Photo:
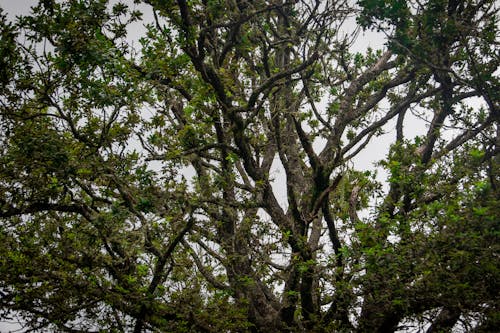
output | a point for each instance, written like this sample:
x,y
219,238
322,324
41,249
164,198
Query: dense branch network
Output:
x,y
207,181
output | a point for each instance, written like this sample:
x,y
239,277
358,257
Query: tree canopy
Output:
x,y
203,177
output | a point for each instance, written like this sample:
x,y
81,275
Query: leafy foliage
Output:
x,y
204,177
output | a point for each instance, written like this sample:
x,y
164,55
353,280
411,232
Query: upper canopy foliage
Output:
x,y
202,177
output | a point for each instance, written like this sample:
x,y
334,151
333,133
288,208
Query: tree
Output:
x,y
138,186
